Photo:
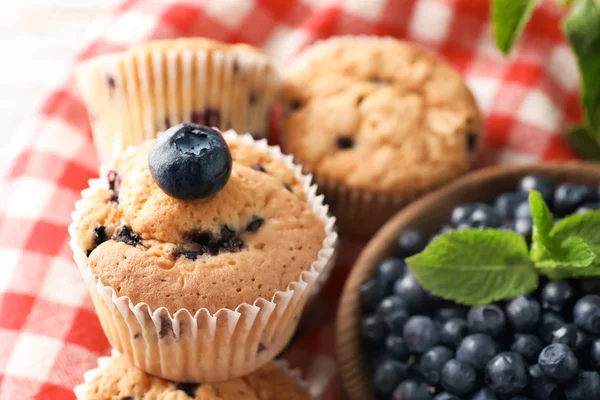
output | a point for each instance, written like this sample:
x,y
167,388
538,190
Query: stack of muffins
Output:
x,y
201,249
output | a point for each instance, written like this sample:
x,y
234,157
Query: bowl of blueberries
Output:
x,y
515,316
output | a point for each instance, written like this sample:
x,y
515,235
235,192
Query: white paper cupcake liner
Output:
x,y
358,212
81,390
132,96
207,347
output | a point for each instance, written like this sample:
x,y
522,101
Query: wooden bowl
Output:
x,y
428,214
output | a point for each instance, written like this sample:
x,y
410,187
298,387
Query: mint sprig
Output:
x,y
550,248
474,266
582,28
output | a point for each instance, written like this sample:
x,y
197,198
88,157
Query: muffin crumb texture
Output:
x,y
249,240
121,381
379,115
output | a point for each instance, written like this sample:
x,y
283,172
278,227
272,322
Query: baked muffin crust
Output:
x,y
379,115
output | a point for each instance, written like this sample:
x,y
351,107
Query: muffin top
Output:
x,y
120,380
196,43
379,115
248,240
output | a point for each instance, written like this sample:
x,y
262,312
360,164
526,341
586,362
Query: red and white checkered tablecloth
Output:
x,y
49,334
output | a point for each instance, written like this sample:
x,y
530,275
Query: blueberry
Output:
x,y
485,394
395,347
420,334
453,332
557,295
411,242
585,386
446,396
594,356
524,227
488,319
388,375
586,313
558,362
523,313
443,314
458,378
541,386
389,270
372,328
396,320
519,398
507,374
477,350
485,216
461,214
590,285
571,336
539,183
409,290
549,323
529,346
371,293
390,304
431,363
587,207
522,211
412,390
506,204
569,196
190,161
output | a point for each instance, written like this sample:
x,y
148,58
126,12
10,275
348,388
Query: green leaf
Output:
x,y
509,18
475,266
552,248
543,221
585,226
582,27
583,142
579,235
564,2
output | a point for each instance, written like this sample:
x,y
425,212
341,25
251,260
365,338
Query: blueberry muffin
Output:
x,y
377,122
117,379
200,258
133,95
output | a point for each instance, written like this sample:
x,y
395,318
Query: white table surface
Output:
x,y
38,39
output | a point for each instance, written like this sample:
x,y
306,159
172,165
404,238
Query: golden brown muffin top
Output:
x,y
121,381
379,115
249,240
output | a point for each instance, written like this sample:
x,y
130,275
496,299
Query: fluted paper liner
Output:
x,y
81,390
358,212
132,96
209,347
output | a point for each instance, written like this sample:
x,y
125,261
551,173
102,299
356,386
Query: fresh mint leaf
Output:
x,y
583,142
475,266
550,248
543,221
582,27
580,237
585,226
509,18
